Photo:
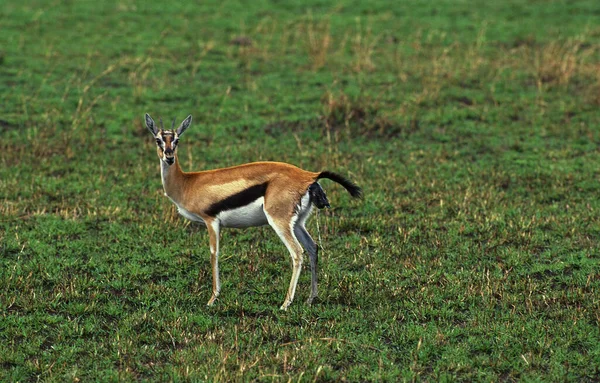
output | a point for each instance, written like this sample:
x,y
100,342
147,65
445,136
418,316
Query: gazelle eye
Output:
x,y
158,141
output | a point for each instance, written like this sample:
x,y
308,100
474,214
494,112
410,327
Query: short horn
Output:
x,y
162,127
173,124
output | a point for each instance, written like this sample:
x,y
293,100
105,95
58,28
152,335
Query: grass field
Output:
x,y
473,127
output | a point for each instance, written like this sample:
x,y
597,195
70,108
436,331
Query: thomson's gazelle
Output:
x,y
252,194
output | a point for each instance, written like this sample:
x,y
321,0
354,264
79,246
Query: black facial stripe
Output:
x,y
243,198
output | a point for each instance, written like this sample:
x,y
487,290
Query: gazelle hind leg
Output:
x,y
305,209
213,233
313,253
283,228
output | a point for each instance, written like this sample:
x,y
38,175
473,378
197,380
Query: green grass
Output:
x,y
473,128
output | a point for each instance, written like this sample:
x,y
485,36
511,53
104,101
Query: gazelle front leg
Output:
x,y
213,235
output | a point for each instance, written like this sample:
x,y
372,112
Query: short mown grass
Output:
x,y
472,127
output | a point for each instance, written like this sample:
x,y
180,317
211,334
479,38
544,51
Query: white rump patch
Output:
x,y
304,209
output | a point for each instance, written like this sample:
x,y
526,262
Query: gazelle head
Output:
x,y
167,140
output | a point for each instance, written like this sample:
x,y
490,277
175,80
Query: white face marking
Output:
x,y
166,140
245,216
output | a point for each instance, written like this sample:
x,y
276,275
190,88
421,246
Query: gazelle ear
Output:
x,y
150,125
184,125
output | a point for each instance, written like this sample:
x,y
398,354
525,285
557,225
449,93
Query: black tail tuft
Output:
x,y
354,190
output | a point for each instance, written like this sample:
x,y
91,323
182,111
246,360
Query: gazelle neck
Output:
x,y
171,176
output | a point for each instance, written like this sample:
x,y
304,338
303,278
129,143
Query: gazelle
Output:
x,y
254,194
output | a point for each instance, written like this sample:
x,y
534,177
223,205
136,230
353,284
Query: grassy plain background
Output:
x,y
473,127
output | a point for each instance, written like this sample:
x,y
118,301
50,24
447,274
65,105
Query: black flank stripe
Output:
x,y
240,199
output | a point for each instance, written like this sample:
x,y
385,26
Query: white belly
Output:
x,y
245,216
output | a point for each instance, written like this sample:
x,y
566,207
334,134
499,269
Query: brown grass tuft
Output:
x,y
356,116
317,41
363,48
557,63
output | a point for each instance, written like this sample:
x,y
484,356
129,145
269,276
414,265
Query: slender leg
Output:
x,y
286,234
213,233
313,252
